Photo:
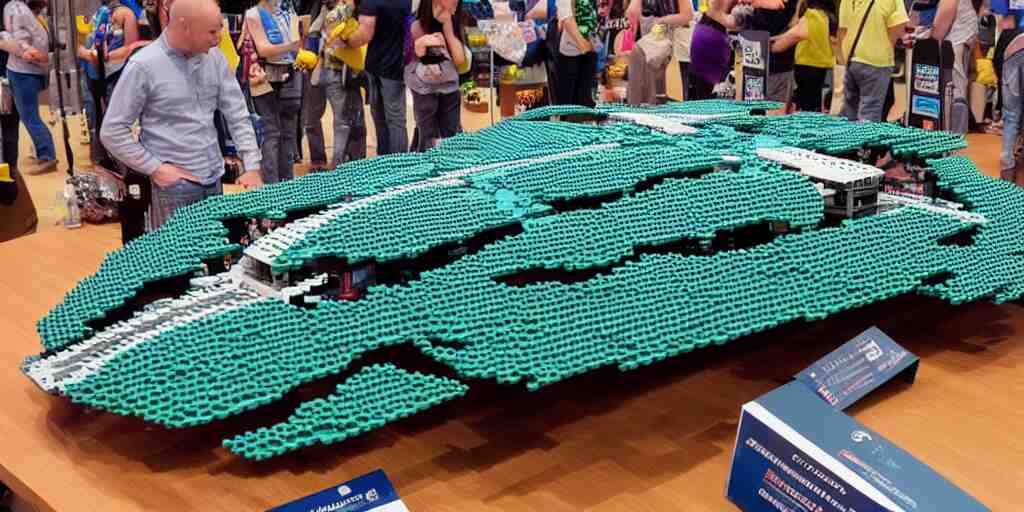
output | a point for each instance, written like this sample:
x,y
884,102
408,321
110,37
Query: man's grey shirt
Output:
x,y
173,97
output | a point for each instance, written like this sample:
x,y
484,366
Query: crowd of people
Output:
x,y
171,67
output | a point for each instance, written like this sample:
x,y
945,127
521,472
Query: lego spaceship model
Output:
x,y
523,254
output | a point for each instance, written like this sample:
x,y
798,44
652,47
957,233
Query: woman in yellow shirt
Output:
x,y
814,56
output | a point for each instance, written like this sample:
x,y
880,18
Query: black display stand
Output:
x,y
930,84
755,48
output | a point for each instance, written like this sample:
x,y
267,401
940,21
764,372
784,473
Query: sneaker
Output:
x,y
992,129
1008,175
37,166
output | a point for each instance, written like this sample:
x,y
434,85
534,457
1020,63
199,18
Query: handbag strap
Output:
x,y
860,30
249,104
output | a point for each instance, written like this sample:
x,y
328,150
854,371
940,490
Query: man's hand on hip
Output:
x,y
169,174
250,179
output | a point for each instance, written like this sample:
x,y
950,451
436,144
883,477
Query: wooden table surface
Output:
x,y
656,439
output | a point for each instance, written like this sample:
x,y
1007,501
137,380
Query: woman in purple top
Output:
x,y
710,51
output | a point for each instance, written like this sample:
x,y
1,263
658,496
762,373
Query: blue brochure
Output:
x,y
371,492
858,367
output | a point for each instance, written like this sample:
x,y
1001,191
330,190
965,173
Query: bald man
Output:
x,y
172,88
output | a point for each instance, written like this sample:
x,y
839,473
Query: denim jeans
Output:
x,y
97,152
864,92
165,201
1013,68
26,88
349,121
960,110
575,79
279,111
312,114
387,105
438,116
87,103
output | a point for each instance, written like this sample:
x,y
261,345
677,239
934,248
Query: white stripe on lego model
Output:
x,y
700,118
268,247
303,287
819,166
936,206
77,362
661,123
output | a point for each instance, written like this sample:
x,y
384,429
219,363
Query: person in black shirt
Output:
x,y
382,26
786,28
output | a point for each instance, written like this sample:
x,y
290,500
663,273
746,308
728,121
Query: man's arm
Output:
x,y
124,110
791,37
944,17
896,33
897,22
721,11
363,35
231,104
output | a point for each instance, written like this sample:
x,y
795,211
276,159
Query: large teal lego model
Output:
x,y
525,254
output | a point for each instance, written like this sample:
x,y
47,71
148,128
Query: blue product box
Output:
x,y
857,367
796,453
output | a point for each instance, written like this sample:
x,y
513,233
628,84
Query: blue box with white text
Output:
x,y
795,453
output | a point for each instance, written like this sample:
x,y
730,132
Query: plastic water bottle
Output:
x,y
73,216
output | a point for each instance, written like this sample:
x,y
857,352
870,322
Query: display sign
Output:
x,y
754,48
795,453
371,492
926,79
926,107
858,367
925,91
